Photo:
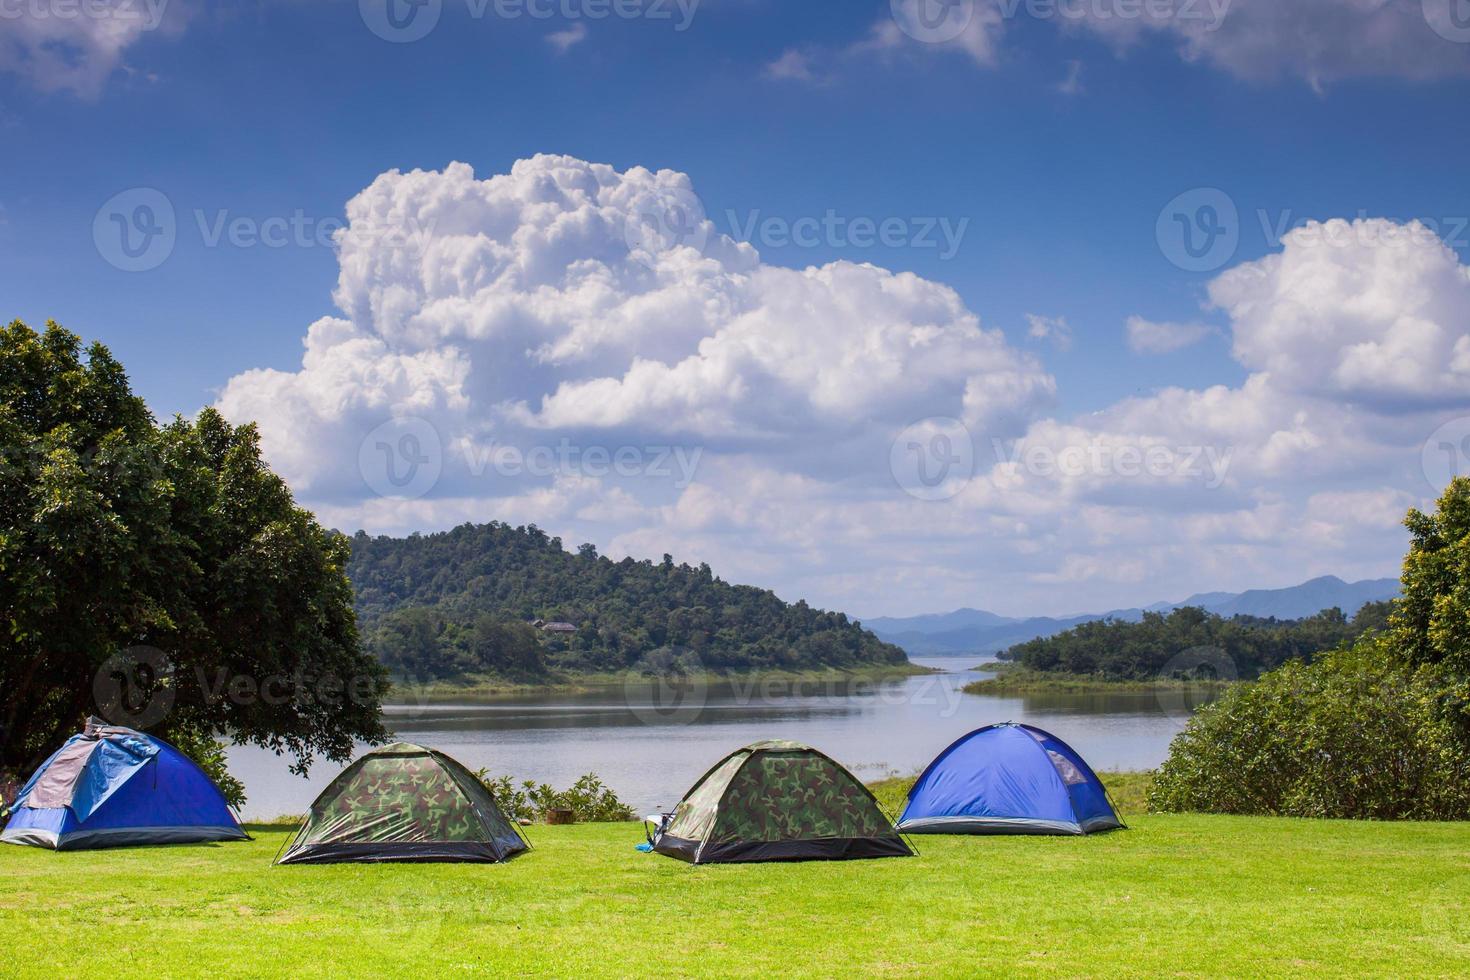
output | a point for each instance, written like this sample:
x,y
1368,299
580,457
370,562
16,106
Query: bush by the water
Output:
x,y
588,799
1378,731
1355,735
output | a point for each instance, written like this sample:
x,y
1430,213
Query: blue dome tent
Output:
x,y
1008,779
111,787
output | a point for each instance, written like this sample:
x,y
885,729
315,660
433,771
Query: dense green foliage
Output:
x,y
1119,650
457,603
1175,896
589,799
160,575
1432,621
1350,736
1376,731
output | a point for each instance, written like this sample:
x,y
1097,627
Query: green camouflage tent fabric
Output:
x,y
796,796
778,801
694,818
404,802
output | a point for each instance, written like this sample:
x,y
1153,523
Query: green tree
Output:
x,y
1378,731
456,603
1356,735
1431,623
117,534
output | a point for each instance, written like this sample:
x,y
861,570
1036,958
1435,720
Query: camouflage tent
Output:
x,y
404,803
778,801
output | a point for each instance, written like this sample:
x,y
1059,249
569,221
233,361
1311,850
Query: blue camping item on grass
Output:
x,y
1008,779
111,787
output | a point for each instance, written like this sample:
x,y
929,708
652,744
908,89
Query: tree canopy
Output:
x,y
161,574
1121,650
459,603
1432,620
1380,730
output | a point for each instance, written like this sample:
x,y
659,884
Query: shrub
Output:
x,y
588,799
1355,735
10,787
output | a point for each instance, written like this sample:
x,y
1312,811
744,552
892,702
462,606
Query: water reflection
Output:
x,y
649,743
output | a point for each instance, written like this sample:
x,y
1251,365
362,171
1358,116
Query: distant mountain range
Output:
x,y
967,632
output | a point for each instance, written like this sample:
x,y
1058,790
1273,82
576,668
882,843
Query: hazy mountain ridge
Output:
x,y
966,632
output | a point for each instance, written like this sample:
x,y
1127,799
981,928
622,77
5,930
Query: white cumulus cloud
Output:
x,y
593,316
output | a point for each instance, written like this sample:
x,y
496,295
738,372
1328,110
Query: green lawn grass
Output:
x,y
1175,895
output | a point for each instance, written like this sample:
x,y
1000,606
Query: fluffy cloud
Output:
x,y
1318,41
584,317
566,299
1369,312
76,47
1149,337
1354,334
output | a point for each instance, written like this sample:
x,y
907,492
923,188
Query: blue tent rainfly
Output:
x,y
1008,779
112,787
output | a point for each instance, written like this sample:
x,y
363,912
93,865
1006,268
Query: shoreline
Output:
x,y
1018,680
411,694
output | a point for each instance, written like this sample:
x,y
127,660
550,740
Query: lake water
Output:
x,y
649,744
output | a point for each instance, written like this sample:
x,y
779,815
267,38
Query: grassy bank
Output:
x,y
1174,895
485,688
1018,680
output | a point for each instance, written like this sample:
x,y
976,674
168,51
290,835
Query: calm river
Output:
x,y
650,746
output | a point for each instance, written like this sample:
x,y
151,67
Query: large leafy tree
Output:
x,y
1432,621
161,574
1378,731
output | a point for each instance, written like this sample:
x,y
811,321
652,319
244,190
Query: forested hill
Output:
x,y
1120,650
460,603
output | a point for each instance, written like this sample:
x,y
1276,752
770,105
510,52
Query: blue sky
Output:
x,y
1055,145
